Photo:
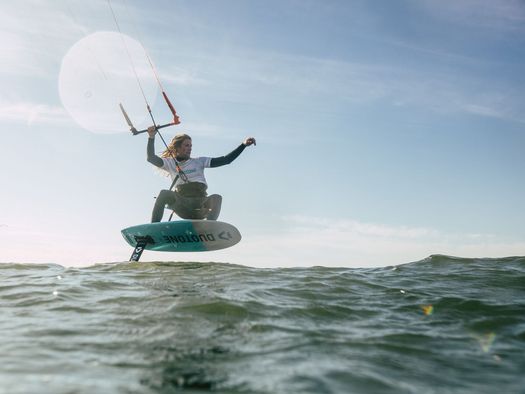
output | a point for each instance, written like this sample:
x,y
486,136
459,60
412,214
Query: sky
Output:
x,y
387,131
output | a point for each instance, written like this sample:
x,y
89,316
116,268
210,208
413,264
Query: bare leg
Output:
x,y
213,203
164,197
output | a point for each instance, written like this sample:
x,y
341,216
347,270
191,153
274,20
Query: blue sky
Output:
x,y
387,130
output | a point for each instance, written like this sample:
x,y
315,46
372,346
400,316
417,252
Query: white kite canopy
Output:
x,y
181,236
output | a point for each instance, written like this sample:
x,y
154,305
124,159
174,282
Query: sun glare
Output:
x,y
97,74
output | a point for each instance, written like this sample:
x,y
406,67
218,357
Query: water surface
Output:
x,y
440,325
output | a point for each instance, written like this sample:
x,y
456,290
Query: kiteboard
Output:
x,y
181,236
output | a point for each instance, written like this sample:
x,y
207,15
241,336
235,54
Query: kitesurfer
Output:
x,y
187,195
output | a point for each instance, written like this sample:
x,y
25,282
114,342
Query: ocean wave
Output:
x,y
444,322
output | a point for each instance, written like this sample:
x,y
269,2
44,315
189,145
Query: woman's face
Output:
x,y
184,151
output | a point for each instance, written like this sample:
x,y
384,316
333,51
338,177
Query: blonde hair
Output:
x,y
175,143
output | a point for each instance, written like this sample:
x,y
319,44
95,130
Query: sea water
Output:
x,y
440,325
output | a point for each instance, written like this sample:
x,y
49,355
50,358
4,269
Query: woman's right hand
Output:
x,y
152,130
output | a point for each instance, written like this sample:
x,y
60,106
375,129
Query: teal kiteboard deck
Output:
x,y
181,236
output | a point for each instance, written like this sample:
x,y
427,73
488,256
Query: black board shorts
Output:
x,y
190,201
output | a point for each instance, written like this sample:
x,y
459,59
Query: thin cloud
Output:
x,y
33,35
183,76
359,228
309,241
32,113
484,111
287,81
504,15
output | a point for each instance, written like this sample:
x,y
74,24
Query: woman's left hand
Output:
x,y
249,141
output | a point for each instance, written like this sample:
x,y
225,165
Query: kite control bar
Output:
x,y
134,131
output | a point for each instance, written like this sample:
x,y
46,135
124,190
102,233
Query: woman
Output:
x,y
188,199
